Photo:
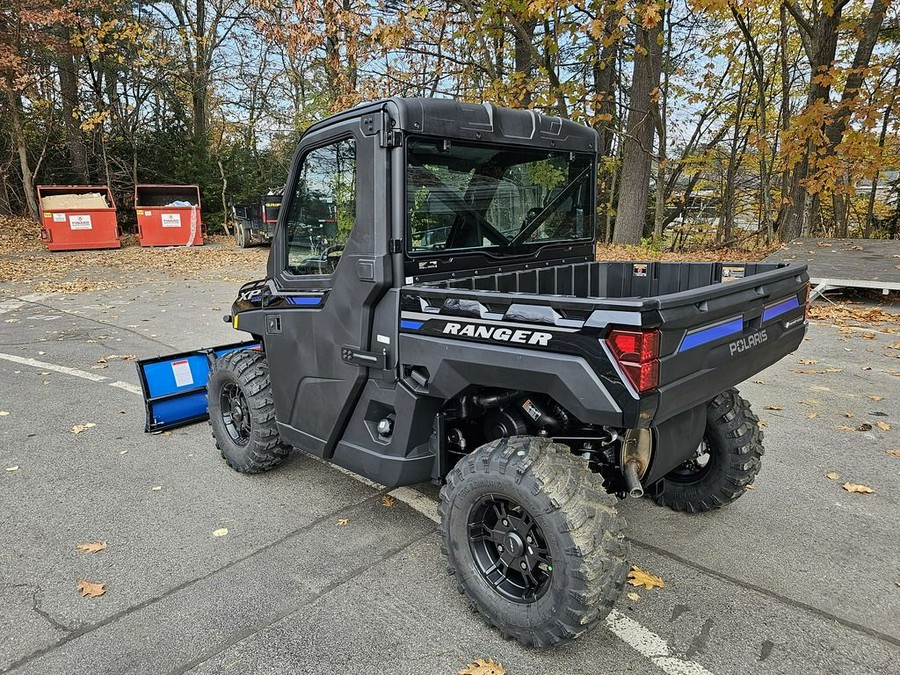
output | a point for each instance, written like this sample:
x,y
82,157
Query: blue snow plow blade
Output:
x,y
174,386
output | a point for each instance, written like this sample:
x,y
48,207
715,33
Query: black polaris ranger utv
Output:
x,y
457,329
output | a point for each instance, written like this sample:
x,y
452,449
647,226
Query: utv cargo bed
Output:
x,y
711,317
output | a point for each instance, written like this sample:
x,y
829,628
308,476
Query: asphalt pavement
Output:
x,y
798,576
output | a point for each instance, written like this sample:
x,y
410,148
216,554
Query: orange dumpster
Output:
x,y
168,215
77,217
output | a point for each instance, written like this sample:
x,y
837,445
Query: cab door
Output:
x,y
330,266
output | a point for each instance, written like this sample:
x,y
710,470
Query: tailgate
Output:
x,y
716,337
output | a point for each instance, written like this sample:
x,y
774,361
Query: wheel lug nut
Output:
x,y
523,565
505,523
500,548
528,539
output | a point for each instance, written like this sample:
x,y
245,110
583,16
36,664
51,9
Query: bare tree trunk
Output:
x,y
885,123
68,90
605,82
524,57
22,151
637,152
820,35
5,204
659,216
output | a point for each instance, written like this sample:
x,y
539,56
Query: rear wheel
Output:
x,y
725,463
241,238
242,412
533,540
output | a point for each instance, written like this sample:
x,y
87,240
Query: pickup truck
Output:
x,y
457,329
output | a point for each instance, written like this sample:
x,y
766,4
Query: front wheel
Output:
x,y
242,412
533,540
725,463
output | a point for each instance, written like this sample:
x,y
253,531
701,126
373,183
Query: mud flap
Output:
x,y
174,386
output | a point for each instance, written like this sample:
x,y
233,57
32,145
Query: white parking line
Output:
x,y
642,640
43,365
127,387
424,505
651,645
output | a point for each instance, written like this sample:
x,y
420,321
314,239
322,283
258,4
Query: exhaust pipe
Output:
x,y
632,481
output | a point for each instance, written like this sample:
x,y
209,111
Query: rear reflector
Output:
x,y
637,352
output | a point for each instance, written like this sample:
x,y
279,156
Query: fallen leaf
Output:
x,y
156,488
90,589
876,398
4,413
749,486
758,382
893,453
483,667
808,362
832,475
812,415
862,489
884,426
866,368
762,424
896,345
12,468
101,360
638,577
843,427
774,407
78,428
123,452
92,547
848,414
343,521
98,366
865,426
634,597
388,501
869,336
221,532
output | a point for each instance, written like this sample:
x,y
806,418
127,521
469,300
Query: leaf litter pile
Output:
x,y
24,260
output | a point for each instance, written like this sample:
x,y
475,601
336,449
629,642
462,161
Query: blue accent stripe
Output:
x,y
780,308
411,325
711,334
305,300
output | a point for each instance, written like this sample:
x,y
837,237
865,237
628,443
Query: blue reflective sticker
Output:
x,y
711,334
411,325
780,308
305,300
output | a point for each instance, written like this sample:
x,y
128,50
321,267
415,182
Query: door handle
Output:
x,y
359,357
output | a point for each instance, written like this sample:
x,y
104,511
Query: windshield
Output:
x,y
467,196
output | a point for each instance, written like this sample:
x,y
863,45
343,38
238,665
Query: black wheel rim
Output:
x,y
697,467
509,549
235,413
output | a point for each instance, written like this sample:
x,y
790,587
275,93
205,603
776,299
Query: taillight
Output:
x,y
637,351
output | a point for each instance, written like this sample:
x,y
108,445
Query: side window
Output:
x,y
323,209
